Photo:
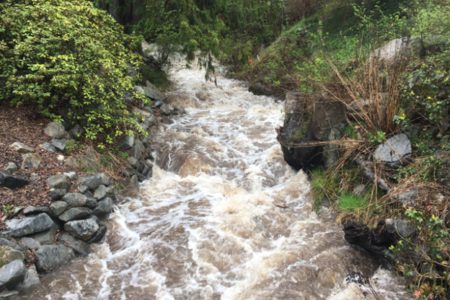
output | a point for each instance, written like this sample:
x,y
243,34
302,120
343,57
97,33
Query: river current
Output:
x,y
223,217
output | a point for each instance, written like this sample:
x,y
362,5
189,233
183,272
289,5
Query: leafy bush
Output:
x,y
71,61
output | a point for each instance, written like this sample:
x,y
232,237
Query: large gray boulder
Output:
x,y
78,246
29,225
75,199
104,207
75,213
12,182
55,130
394,150
12,273
51,257
82,229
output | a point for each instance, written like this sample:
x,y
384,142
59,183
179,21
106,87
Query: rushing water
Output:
x,y
224,217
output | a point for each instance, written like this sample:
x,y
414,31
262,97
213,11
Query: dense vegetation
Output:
x,y
69,60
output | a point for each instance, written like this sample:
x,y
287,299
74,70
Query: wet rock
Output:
x,y
98,236
29,225
12,273
12,182
29,243
360,235
31,279
10,168
260,89
34,210
167,109
59,144
309,121
31,161
78,246
8,254
82,229
58,207
21,148
394,149
56,194
104,207
75,213
51,257
356,277
408,197
8,294
75,199
59,181
55,130
48,147
203,95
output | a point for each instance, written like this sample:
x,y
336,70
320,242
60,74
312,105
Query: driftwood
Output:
x,y
367,168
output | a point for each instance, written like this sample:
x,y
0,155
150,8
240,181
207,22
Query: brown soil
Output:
x,y
23,125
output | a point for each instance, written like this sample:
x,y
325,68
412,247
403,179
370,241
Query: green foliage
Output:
x,y
351,203
323,186
430,266
70,60
376,138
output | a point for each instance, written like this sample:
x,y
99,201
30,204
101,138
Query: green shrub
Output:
x,y
71,61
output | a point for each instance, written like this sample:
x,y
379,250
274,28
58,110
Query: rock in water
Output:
x,y
394,149
82,229
29,225
78,246
51,257
12,273
104,207
12,182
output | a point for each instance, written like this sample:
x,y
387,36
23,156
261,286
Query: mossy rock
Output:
x,y
8,254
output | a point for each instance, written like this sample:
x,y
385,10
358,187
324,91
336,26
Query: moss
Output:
x,y
348,202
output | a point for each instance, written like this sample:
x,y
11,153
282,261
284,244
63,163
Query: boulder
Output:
x,y
58,207
31,161
46,237
59,144
10,242
403,228
10,168
59,181
75,199
31,279
310,120
101,192
128,142
408,197
104,207
151,91
51,257
75,213
8,254
394,150
98,236
392,50
91,202
93,182
21,148
55,130
78,246
34,210
57,194
12,182
48,147
260,89
29,225
82,229
12,273
138,150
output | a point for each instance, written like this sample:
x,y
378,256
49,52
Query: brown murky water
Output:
x,y
224,217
